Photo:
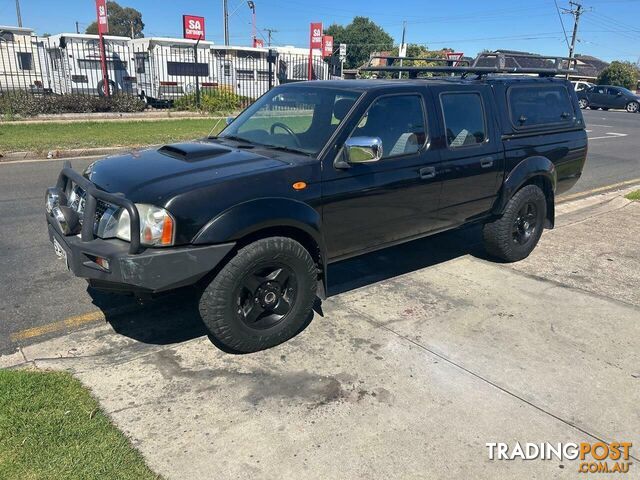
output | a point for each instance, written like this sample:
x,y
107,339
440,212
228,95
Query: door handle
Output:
x,y
427,172
486,163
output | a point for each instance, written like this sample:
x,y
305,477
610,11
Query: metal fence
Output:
x,y
161,71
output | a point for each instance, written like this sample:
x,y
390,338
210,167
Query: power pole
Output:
x,y
576,12
269,32
77,27
225,15
18,13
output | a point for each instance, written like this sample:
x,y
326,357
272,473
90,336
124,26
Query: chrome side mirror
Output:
x,y
363,150
229,120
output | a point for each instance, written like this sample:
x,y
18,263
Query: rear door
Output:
x,y
598,97
472,155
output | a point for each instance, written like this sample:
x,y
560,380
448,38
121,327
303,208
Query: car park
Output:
x,y
316,172
608,96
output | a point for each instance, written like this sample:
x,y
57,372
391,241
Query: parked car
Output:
x,y
607,96
580,85
316,172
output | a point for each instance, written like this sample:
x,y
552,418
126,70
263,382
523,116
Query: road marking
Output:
x,y
588,193
71,322
610,135
601,126
74,322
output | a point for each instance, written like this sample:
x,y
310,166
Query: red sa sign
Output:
x,y
327,45
315,36
103,22
193,27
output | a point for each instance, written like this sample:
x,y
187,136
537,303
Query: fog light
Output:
x,y
67,219
54,198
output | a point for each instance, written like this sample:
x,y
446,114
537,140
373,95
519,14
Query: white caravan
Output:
x,y
293,64
22,62
166,68
75,65
243,70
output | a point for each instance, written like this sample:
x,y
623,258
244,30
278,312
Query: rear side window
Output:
x,y
464,119
540,106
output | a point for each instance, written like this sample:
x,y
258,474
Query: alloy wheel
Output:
x,y
525,224
266,296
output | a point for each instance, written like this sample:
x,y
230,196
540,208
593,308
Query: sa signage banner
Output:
x,y
193,27
327,45
103,21
315,36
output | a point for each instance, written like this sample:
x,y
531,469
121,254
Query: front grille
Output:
x,y
77,200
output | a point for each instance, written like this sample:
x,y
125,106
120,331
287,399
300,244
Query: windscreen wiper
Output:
x,y
287,149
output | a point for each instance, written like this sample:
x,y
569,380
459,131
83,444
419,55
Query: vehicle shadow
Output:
x,y
174,318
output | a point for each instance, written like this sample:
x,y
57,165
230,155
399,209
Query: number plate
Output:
x,y
60,252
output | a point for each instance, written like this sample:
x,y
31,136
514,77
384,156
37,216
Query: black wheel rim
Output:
x,y
525,224
266,296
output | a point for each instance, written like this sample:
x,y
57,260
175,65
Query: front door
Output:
x,y
615,98
598,97
472,156
367,206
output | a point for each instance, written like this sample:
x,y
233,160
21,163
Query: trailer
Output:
x,y
23,64
169,68
75,65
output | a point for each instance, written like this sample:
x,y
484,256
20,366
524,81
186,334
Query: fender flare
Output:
x,y
523,172
253,216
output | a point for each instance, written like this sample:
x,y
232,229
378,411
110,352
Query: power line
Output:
x,y
270,31
562,23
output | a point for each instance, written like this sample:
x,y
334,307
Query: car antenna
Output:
x,y
214,127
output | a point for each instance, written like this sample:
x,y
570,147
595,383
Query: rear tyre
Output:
x,y
513,236
633,107
583,103
262,297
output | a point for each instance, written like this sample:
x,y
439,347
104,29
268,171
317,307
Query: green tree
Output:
x,y
125,22
363,37
621,74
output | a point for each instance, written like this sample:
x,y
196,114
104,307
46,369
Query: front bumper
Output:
x,y
153,270
130,267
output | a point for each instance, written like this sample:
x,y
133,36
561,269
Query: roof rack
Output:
x,y
483,64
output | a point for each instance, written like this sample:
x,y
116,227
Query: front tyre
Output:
x,y
633,107
513,236
262,297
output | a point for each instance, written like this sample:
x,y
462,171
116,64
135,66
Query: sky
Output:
x,y
609,29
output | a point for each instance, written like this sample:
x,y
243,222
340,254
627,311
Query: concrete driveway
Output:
x,y
425,354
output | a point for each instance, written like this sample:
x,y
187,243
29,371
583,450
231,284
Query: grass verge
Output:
x,y
44,137
635,196
51,427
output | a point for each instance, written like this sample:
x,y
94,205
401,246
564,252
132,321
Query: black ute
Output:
x,y
315,172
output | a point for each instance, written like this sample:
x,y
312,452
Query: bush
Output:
x,y
621,74
26,104
213,101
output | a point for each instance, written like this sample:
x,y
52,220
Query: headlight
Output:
x,y
157,226
54,198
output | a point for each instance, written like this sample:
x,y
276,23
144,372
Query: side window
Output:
x,y
600,90
25,61
613,91
534,106
398,121
464,119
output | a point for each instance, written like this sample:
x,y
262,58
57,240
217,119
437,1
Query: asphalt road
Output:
x,y
40,299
